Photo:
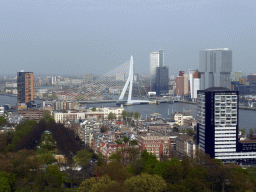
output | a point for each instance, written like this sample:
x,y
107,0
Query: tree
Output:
x,y
54,176
111,116
83,157
136,115
126,139
115,170
134,142
191,132
118,142
101,159
47,116
124,114
4,182
104,128
145,182
54,96
2,121
115,158
47,158
149,162
243,131
197,180
98,184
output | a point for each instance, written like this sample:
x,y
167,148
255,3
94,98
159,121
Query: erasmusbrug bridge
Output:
x,y
117,85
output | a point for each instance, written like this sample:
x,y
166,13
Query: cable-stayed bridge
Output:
x,y
112,86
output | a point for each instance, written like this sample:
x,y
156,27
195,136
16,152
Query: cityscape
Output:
x,y
126,114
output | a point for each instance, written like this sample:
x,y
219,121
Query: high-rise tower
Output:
x,y
25,83
215,66
217,116
156,59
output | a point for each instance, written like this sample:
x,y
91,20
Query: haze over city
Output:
x,y
77,37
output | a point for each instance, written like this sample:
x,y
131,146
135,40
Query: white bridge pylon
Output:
x,y
130,81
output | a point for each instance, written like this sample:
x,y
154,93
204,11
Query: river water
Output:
x,y
247,118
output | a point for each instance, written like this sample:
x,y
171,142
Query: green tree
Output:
x,y
111,116
101,159
47,116
191,132
131,114
126,139
149,161
118,142
124,114
4,182
243,131
54,96
197,180
134,142
2,121
145,182
98,184
54,176
114,157
83,157
47,158
136,115
115,170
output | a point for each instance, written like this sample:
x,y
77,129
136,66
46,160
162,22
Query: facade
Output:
x,y
238,75
156,59
217,128
179,85
161,58
70,116
194,79
31,114
215,66
217,116
185,145
162,80
180,117
160,146
25,85
252,79
153,64
186,83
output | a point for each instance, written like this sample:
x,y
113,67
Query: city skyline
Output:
x,y
88,37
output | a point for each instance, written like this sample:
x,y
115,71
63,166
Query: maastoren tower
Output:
x,y
215,66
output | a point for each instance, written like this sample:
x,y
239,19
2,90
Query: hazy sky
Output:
x,y
90,36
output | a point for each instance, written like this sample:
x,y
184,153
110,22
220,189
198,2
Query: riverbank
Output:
x,y
240,107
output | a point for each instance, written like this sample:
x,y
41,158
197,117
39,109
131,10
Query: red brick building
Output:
x,y
180,85
109,149
31,114
160,146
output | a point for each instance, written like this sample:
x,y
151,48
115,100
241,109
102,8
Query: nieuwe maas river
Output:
x,y
247,118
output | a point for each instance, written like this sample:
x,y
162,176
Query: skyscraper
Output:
x,y
215,66
156,59
217,116
25,85
194,79
217,127
162,81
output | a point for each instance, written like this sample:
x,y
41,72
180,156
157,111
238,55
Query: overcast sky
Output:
x,y
89,36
